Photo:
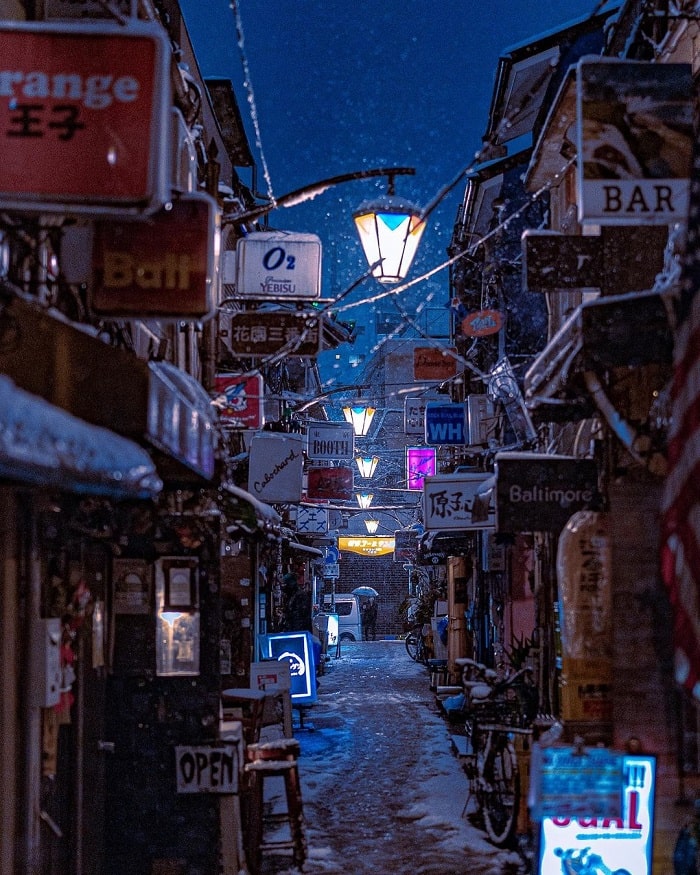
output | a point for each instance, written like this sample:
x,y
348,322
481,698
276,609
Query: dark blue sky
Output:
x,y
341,86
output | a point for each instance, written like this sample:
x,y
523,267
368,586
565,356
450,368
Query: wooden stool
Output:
x,y
247,706
274,759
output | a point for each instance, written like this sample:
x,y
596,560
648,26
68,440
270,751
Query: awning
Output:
x,y
608,332
246,513
45,446
72,368
181,419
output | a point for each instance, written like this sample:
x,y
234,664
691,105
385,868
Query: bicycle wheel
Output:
x,y
414,642
501,792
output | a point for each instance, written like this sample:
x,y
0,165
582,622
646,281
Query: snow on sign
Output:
x,y
276,264
635,136
448,500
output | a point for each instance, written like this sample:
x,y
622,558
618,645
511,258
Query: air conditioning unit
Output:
x,y
481,418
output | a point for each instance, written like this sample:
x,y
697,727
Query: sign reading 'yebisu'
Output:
x,y
445,424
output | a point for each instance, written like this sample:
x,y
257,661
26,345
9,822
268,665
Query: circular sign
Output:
x,y
332,555
481,323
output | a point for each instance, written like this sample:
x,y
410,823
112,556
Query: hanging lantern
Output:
x,y
364,499
360,418
367,465
371,526
390,230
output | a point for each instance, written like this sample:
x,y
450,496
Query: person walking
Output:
x,y
369,620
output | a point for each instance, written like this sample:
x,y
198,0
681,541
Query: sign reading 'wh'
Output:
x,y
445,424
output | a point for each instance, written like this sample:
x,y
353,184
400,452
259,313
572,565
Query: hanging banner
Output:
x,y
88,109
239,400
635,136
584,580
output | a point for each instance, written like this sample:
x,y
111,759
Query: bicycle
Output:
x,y
497,711
416,646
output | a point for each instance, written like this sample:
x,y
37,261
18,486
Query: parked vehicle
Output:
x,y
347,607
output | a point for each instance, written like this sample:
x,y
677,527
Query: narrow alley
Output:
x,y
383,792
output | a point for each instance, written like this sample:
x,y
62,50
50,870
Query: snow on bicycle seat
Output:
x,y
481,691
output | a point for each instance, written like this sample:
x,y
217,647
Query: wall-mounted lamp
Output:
x,y
364,499
367,465
371,526
360,417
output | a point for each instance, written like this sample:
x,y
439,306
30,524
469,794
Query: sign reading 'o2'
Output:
x,y
274,265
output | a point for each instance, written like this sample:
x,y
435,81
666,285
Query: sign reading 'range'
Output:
x,y
538,493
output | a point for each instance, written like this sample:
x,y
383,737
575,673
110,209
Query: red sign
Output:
x,y
84,117
330,483
481,323
162,267
240,400
434,363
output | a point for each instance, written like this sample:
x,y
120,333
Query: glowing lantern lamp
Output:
x,y
360,418
390,229
367,465
372,526
364,499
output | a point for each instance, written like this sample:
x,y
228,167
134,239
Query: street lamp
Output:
x,y
367,465
390,228
364,499
360,417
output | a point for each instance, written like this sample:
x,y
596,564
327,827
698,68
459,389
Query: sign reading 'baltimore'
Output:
x,y
538,493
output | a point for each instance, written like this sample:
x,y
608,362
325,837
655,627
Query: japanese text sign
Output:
x,y
87,108
266,333
448,501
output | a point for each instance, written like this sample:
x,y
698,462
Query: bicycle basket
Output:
x,y
502,709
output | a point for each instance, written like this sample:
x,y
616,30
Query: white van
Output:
x,y
347,607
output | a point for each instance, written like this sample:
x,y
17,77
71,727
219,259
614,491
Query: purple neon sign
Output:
x,y
420,463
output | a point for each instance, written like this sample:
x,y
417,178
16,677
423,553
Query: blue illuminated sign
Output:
x,y
297,649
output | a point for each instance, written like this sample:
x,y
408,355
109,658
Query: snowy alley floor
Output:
x,y
383,791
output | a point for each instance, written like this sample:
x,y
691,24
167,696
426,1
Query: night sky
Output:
x,y
340,87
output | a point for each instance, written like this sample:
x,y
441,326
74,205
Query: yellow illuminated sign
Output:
x,y
377,546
